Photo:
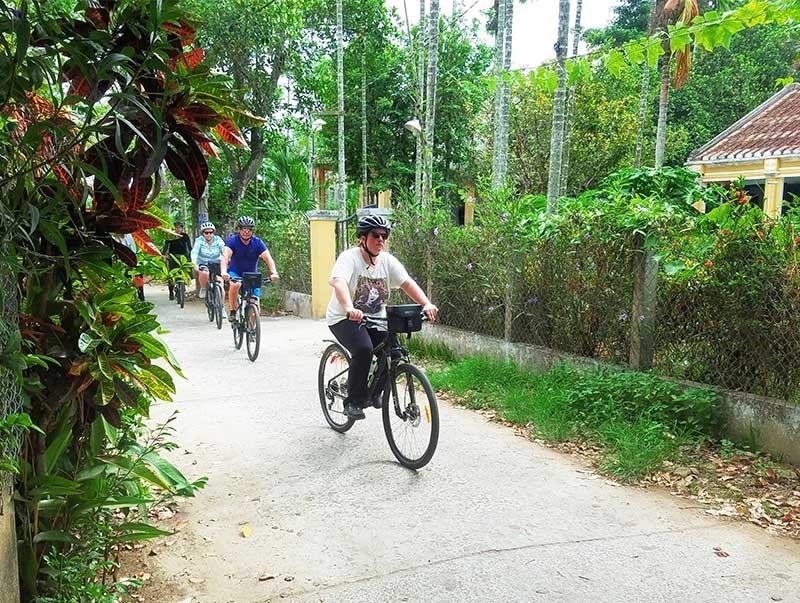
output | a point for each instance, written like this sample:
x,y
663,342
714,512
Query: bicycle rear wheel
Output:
x,y
238,328
217,304
180,294
411,417
252,323
334,367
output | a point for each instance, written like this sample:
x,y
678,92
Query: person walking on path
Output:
x,y
241,254
182,246
361,279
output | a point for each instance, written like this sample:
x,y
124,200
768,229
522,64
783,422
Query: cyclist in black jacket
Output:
x,y
176,247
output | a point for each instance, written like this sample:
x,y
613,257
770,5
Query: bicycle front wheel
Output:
x,y
411,417
334,366
217,304
252,323
180,294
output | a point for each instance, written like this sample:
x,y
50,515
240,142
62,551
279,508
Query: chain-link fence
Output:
x,y
10,394
725,312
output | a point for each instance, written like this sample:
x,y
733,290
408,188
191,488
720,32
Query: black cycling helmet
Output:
x,y
246,221
371,222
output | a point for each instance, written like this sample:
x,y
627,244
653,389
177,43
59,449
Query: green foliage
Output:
x,y
289,243
638,419
96,102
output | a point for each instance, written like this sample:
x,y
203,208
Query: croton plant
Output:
x,y
97,99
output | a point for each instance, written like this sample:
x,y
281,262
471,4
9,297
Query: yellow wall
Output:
x,y
772,171
322,226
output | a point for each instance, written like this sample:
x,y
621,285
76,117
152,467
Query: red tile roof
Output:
x,y
770,130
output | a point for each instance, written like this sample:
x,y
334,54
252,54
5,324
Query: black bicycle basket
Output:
x,y
214,269
404,318
251,280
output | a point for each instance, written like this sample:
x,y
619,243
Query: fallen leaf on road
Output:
x,y
720,553
196,580
247,531
265,577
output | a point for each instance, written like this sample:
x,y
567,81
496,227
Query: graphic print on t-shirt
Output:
x,y
371,294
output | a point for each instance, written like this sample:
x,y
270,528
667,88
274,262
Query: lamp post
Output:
x,y
316,125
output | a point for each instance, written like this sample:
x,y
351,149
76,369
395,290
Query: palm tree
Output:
x,y
341,199
430,103
576,38
503,29
557,133
666,13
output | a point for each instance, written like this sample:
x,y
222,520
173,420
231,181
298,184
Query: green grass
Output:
x,y
638,420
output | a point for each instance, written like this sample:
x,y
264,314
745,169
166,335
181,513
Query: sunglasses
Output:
x,y
208,232
379,235
247,228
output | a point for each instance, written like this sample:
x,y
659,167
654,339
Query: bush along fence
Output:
x,y
289,243
629,274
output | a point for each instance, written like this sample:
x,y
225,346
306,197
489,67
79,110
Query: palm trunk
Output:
x,y
341,199
643,94
576,37
500,31
663,104
420,100
430,103
364,181
557,133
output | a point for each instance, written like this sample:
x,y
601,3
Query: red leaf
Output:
x,y
198,113
127,255
193,58
134,192
126,223
98,17
228,132
145,243
209,148
183,29
186,162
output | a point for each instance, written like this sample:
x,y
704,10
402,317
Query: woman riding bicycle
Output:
x,y
207,248
361,279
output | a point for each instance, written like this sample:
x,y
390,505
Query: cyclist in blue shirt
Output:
x,y
241,254
207,248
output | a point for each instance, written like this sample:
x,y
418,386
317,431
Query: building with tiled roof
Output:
x,y
763,147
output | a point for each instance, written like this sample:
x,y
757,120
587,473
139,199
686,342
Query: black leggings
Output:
x,y
360,341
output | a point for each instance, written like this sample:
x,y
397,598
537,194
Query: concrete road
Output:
x,y
335,518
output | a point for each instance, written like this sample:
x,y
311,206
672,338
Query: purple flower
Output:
x,y
490,309
436,232
586,236
470,266
623,316
533,300
641,317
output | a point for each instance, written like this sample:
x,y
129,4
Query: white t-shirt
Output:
x,y
369,285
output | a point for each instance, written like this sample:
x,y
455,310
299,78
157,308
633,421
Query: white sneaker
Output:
x,y
202,293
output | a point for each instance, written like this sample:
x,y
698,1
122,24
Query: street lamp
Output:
x,y
316,125
413,126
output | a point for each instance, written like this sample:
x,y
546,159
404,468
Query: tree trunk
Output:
x,y
498,167
430,103
364,175
421,60
643,94
557,134
576,38
663,104
341,198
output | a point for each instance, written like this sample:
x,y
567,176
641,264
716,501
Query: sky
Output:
x,y
535,23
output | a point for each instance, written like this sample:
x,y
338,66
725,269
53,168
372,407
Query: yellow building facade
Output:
x,y
763,147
